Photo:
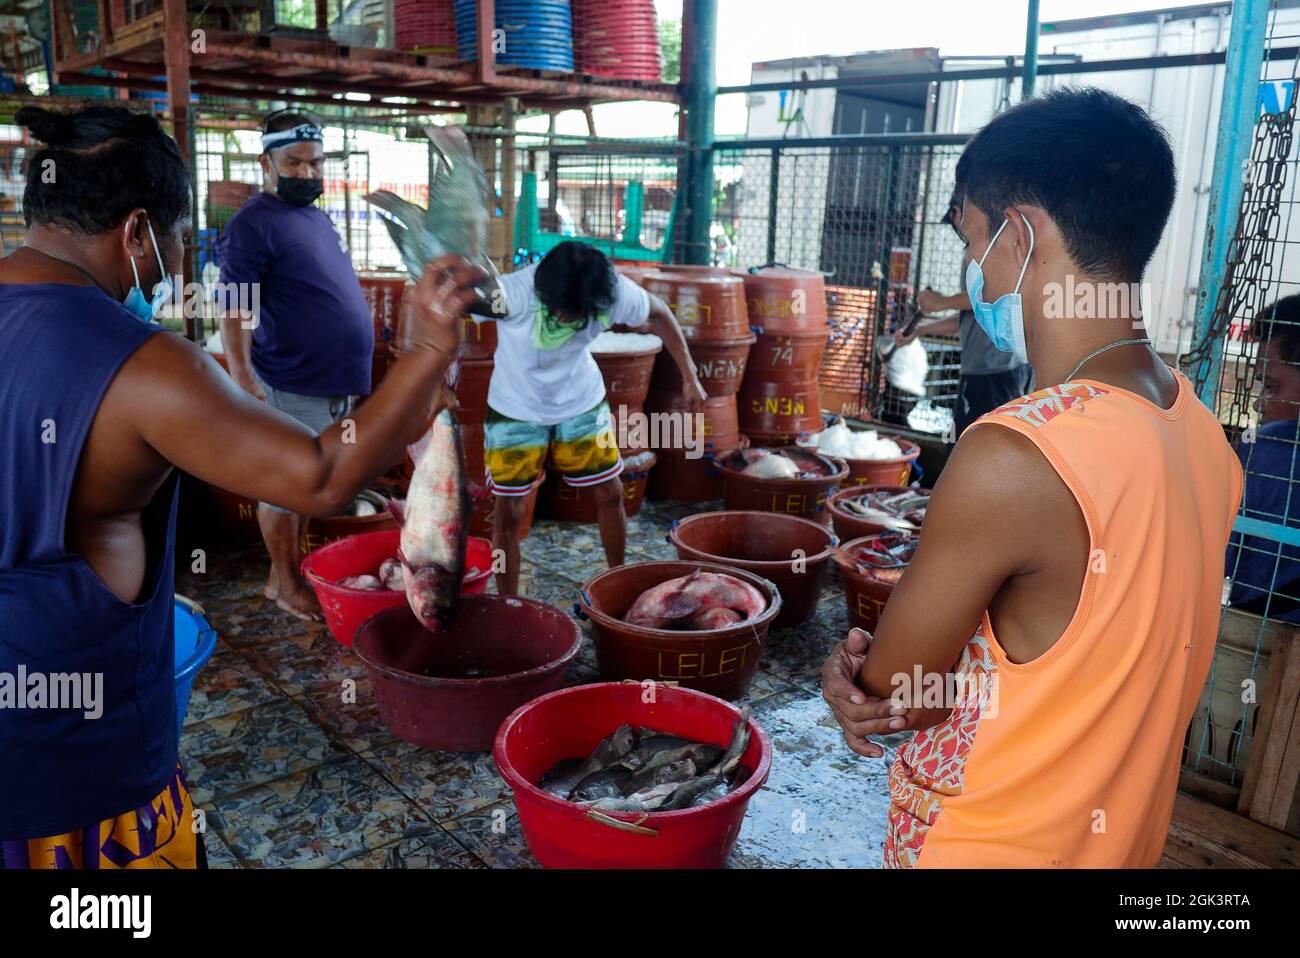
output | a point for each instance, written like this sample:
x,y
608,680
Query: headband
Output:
x,y
302,133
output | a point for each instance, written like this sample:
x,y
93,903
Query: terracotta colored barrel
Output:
x,y
471,438
797,497
678,479
626,375
472,386
798,356
478,338
317,532
864,593
778,408
573,504
484,506
790,551
719,364
849,526
451,692
721,425
708,305
236,516
383,292
786,301
636,274
721,662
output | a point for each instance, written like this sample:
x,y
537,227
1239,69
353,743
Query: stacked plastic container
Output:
x,y
616,39
425,26
537,34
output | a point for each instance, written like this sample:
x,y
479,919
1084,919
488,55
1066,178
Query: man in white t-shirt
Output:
x,y
547,397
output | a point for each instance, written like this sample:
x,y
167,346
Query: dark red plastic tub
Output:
x,y
346,608
451,691
569,724
849,526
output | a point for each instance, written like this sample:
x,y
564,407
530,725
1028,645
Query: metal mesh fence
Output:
x,y
1250,362
871,218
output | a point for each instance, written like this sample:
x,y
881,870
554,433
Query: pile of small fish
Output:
x,y
696,602
900,511
643,770
774,464
886,556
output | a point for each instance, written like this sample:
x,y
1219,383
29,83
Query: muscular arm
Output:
x,y
1002,533
188,411
664,325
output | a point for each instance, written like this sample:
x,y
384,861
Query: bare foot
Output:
x,y
300,603
271,592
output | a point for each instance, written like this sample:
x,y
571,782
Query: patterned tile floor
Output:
x,y
290,772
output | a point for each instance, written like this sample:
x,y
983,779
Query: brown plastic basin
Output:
x,y
848,526
791,551
797,497
709,304
786,301
721,662
865,594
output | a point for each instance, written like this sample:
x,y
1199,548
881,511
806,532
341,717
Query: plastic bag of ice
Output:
x,y
836,441
774,466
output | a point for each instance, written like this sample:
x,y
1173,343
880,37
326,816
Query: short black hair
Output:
x,y
575,280
98,164
1280,323
1096,163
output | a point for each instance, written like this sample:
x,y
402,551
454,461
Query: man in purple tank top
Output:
x,y
103,406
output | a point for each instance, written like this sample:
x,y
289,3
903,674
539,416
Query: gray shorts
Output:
x,y
317,413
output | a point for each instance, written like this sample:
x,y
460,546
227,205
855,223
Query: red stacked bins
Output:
x,y
617,39
627,381
709,304
426,26
779,398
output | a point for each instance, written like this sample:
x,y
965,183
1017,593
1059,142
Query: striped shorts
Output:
x,y
584,450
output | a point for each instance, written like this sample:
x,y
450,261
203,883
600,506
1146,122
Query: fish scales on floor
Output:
x,y
643,770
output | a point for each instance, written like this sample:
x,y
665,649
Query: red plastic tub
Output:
x,y
721,662
346,608
451,691
569,724
797,497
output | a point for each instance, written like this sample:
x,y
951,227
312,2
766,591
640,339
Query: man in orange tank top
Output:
x,y
1052,634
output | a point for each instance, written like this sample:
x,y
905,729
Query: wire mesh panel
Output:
x,y
870,217
1250,363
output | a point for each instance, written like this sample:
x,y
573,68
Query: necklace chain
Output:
x,y
1145,341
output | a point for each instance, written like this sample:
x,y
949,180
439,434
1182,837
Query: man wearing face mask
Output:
x,y
1066,589
989,376
103,409
308,351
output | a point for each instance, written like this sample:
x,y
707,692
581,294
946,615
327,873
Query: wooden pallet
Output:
x,y
1203,835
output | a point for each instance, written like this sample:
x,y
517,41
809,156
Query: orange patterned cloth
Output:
x,y
159,834
1071,760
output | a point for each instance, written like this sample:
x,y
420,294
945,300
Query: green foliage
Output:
x,y
670,44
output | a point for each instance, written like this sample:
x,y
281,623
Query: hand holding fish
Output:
x,y
435,306
858,713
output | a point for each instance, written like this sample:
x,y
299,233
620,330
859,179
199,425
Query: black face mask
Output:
x,y
298,190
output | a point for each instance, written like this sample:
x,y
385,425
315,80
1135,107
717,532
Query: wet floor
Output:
x,y
292,766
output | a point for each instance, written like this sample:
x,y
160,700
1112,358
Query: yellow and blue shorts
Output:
x,y
584,450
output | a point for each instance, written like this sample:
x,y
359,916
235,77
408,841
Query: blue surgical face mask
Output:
x,y
148,310
1004,319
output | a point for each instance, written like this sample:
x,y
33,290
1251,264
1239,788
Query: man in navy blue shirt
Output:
x,y
308,349
1269,455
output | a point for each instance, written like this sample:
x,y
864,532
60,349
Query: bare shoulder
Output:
x,y
168,368
1000,490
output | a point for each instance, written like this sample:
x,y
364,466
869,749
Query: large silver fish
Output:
x,y
456,220
435,523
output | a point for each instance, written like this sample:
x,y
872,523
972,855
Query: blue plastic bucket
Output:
x,y
195,643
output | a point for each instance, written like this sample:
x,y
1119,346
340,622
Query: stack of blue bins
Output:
x,y
538,33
